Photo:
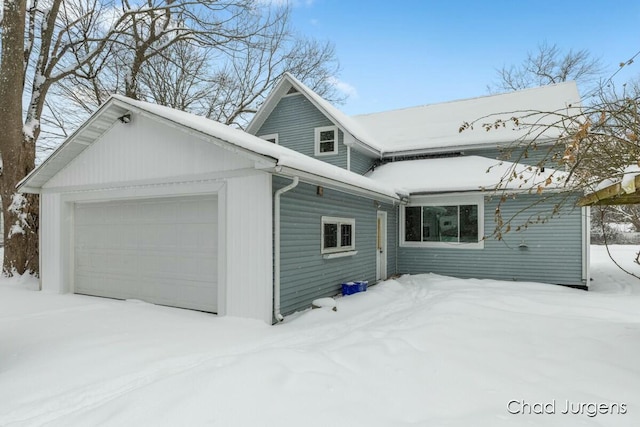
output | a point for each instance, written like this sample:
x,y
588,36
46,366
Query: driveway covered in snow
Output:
x,y
420,350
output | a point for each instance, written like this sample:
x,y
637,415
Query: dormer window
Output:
x,y
326,140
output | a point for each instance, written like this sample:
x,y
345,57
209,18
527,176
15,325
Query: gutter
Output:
x,y
339,185
391,154
276,249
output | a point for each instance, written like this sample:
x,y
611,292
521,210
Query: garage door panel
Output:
x,y
197,237
158,250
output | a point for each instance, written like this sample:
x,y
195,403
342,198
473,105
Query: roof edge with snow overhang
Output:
x,y
467,174
416,130
527,115
269,156
360,138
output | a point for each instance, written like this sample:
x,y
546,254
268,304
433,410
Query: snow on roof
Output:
x,y
349,124
466,173
345,123
248,143
436,126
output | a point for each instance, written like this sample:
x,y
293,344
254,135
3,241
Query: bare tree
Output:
x,y
548,65
577,150
47,42
238,89
226,83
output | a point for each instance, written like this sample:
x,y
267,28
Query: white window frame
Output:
x,y
350,250
317,140
270,136
447,200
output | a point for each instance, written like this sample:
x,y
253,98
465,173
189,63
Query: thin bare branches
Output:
x,y
569,152
548,65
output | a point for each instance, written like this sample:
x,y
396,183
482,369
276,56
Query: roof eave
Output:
x,y
25,185
268,105
280,91
334,183
462,148
120,107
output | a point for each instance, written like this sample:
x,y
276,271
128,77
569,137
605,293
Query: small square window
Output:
x,y
338,234
326,140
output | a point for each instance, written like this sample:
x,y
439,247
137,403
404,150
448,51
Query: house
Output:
x,y
145,202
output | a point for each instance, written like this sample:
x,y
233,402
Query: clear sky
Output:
x,y
403,53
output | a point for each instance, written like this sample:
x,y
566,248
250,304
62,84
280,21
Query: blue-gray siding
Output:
x,y
360,162
553,253
305,274
294,120
515,154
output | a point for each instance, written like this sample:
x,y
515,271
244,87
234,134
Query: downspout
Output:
x,y
586,246
276,249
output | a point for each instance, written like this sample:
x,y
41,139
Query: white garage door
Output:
x,y
163,251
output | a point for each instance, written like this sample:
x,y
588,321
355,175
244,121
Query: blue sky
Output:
x,y
411,52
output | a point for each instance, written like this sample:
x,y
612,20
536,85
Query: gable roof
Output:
x,y
346,124
280,159
435,127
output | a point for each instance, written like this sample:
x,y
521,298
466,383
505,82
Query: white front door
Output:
x,y
381,243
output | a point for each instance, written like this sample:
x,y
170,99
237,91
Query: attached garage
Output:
x,y
146,202
160,250
163,207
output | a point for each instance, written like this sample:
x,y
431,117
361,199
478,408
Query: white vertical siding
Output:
x,y
148,159
51,259
141,150
249,291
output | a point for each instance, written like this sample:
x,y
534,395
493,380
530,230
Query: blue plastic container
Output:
x,y
350,288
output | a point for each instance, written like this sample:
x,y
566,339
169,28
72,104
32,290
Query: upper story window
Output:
x,y
326,140
441,222
271,137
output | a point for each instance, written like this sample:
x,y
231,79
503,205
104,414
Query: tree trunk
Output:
x,y
18,153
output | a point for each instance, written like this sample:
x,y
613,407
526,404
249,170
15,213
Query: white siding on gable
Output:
x,y
150,162
145,150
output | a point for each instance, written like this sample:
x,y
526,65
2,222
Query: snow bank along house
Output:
x,y
150,203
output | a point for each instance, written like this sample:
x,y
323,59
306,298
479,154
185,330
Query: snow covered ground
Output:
x,y
418,351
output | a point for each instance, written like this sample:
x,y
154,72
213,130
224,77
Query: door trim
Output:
x,y
381,245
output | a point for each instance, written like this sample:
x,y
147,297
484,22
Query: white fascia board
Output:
x,y
267,106
70,140
335,120
331,183
29,190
